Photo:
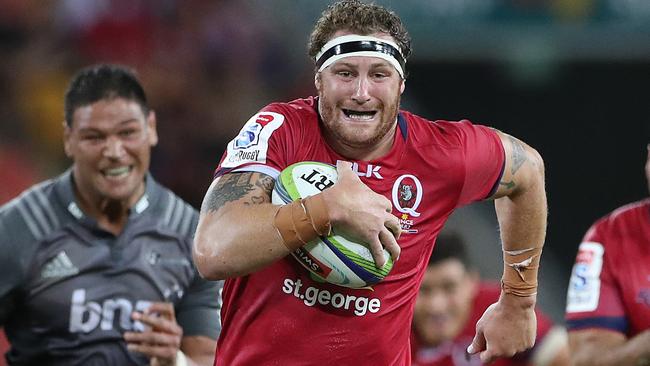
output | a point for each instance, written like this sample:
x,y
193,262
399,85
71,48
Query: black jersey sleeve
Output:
x,y
199,310
16,250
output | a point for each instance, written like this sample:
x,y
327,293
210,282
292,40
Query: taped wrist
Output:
x,y
520,271
302,221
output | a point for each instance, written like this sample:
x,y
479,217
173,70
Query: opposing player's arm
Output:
x,y
600,347
235,234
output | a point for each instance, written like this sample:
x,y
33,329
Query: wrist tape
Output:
x,y
302,221
520,271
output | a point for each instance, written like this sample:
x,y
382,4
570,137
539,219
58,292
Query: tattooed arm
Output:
x,y
235,234
509,326
520,200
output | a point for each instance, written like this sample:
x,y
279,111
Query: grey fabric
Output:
x,y
67,287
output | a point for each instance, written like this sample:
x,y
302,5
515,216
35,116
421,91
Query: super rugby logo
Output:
x,y
250,134
252,142
248,155
584,289
407,194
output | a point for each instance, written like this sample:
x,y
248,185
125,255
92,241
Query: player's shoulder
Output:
x,y
631,214
297,109
33,213
172,213
631,210
440,131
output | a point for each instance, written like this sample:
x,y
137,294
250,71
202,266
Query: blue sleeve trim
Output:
x,y
495,187
617,323
403,126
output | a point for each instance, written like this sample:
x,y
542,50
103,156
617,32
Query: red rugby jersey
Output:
x,y
610,282
280,315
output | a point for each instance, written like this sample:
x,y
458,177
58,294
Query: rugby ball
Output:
x,y
334,258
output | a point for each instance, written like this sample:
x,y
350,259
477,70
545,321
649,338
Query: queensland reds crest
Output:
x,y
407,194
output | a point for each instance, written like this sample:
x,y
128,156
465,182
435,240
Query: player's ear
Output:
x,y
317,81
67,131
152,133
402,86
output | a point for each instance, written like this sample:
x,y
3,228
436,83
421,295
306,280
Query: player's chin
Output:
x,y
361,137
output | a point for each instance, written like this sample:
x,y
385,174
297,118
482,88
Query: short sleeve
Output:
x,y
199,312
593,298
263,141
14,257
484,160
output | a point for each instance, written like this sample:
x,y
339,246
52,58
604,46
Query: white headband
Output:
x,y
355,45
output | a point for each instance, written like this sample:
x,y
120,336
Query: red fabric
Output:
x,y
4,347
279,315
622,287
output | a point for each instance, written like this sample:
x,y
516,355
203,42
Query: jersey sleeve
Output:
x,y
199,312
16,251
263,144
483,159
593,298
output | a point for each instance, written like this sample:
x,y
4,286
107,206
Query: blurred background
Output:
x,y
569,77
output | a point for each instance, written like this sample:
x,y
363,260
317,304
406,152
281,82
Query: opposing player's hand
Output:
x,y
161,339
506,328
362,214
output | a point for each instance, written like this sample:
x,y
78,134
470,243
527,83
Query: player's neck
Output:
x,y
110,214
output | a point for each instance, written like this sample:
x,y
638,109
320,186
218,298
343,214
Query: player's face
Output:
x,y
444,302
110,143
359,98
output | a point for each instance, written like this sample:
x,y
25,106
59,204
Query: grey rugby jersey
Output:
x,y
67,287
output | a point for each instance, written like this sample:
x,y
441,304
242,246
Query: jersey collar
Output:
x,y
65,191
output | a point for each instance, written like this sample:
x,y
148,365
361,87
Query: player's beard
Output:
x,y
340,132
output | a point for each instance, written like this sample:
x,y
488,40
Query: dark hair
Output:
x,y
99,82
450,246
361,18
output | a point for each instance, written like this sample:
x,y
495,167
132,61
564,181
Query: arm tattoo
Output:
x,y
235,186
266,184
518,154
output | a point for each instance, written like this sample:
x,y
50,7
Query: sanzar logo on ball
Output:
x,y
334,259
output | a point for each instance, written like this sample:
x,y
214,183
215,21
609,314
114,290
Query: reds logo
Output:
x,y
407,194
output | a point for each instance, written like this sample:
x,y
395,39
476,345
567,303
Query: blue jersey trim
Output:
x,y
403,127
617,323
